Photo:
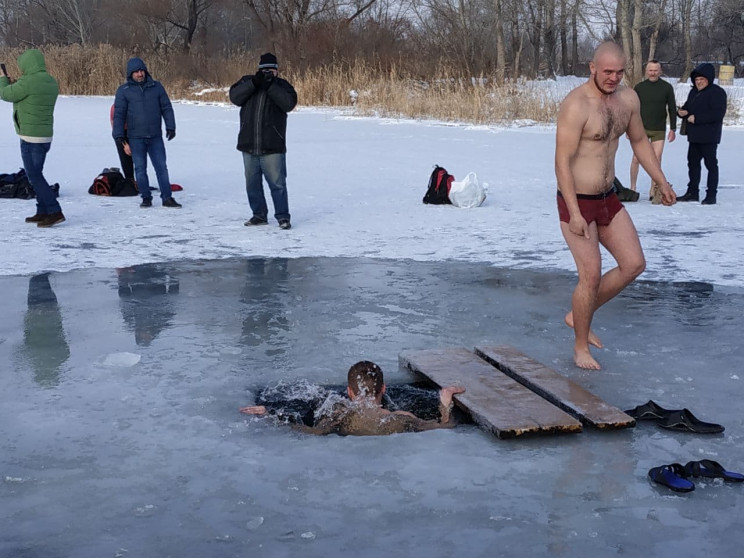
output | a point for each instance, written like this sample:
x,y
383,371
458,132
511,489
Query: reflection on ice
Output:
x,y
44,341
121,389
146,304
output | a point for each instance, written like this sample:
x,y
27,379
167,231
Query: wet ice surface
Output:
x,y
120,436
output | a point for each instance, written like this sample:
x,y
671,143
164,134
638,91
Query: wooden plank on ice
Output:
x,y
557,389
496,402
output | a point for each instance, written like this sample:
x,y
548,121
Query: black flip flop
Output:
x,y
649,411
712,470
672,476
685,421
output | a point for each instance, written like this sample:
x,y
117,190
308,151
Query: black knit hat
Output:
x,y
268,61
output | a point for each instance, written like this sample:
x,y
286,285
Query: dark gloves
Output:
x,y
258,79
170,134
262,79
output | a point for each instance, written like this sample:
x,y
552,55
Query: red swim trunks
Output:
x,y
594,207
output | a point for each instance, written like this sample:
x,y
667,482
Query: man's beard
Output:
x,y
604,92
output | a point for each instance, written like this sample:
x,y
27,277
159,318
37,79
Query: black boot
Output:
x,y
710,199
690,195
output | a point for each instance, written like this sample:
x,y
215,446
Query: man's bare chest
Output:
x,y
606,122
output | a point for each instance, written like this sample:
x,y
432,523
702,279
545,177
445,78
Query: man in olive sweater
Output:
x,y
657,101
34,96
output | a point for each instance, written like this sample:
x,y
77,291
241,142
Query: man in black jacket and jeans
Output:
x,y
704,111
264,100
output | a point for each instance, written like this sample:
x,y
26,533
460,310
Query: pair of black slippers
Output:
x,y
677,477
680,420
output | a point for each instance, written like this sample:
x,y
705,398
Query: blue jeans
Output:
x,y
33,156
155,148
273,167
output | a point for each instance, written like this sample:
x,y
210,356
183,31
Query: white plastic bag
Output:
x,y
467,193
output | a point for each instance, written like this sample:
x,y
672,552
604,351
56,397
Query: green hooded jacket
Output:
x,y
33,96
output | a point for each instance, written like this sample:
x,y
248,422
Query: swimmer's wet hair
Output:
x,y
365,377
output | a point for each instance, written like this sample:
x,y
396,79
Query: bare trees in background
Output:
x,y
49,21
499,38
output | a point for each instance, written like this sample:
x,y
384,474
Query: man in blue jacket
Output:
x,y
704,111
142,104
264,100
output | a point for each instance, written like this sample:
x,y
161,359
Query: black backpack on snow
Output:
x,y
112,183
624,194
440,183
16,185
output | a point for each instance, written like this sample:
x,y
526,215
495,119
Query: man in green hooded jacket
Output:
x,y
33,96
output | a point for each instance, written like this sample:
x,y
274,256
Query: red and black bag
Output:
x,y
112,183
440,183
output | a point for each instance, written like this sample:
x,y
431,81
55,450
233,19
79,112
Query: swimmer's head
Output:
x,y
365,380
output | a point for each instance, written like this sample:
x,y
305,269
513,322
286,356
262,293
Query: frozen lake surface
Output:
x,y
120,434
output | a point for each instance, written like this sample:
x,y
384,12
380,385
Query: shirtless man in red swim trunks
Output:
x,y
590,122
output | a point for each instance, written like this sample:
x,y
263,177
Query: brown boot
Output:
x,y
36,218
51,220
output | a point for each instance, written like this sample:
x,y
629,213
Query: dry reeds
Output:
x,y
448,95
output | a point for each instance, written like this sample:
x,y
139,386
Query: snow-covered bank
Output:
x,y
355,187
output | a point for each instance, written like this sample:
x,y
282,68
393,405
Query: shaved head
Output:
x,y
608,48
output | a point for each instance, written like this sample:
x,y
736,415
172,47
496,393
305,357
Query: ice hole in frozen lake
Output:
x,y
300,402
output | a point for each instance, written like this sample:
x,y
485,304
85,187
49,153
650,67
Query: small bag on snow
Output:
x,y
112,183
16,185
439,187
468,193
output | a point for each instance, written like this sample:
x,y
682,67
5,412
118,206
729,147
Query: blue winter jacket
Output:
x,y
708,106
141,106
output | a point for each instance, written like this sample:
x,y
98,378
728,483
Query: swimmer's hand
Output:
x,y
668,195
446,393
254,410
445,401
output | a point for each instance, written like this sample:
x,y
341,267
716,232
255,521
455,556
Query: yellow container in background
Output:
x,y
725,75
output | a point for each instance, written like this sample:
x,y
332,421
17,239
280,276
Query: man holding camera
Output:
x,y
34,96
264,100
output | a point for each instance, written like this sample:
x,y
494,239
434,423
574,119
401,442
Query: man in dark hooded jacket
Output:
x,y
704,111
264,100
142,104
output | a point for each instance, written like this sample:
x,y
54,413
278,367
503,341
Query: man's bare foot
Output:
x,y
584,359
593,339
253,410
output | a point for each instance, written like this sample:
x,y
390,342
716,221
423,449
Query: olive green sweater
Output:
x,y
33,96
657,100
